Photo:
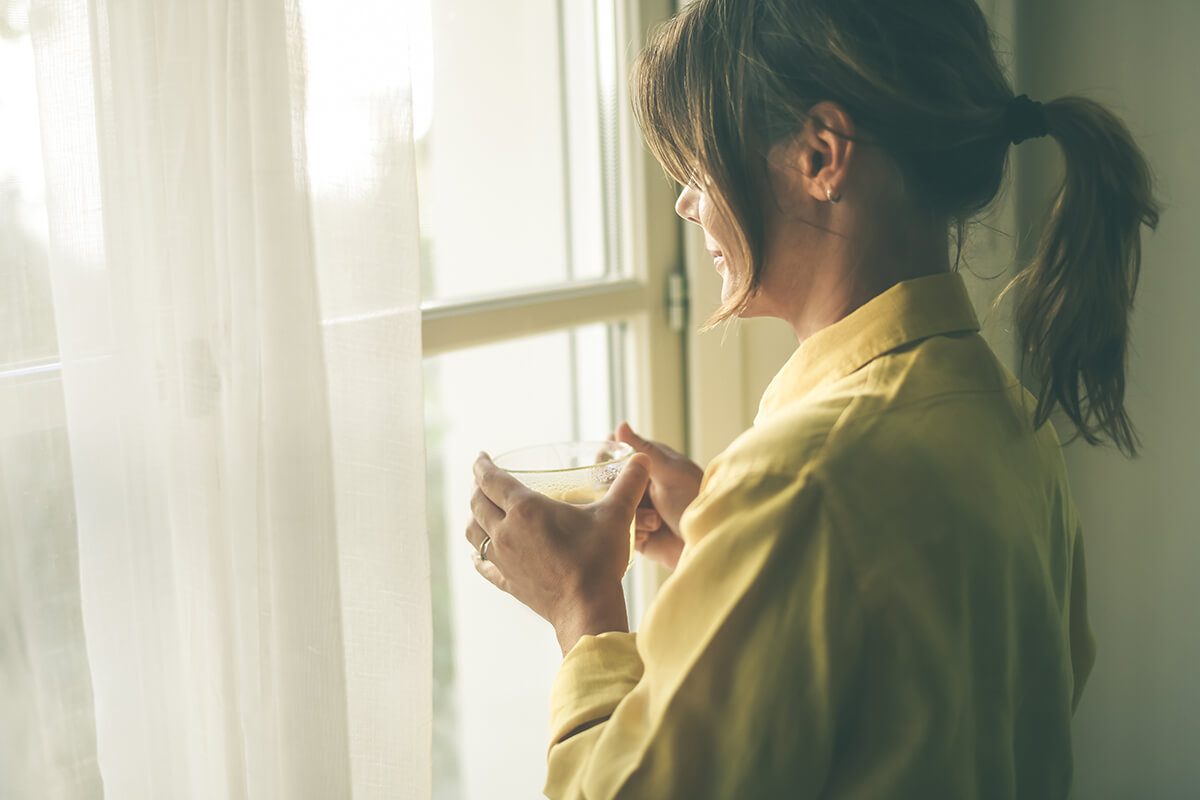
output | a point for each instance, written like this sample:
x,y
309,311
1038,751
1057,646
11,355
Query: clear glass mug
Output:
x,y
578,473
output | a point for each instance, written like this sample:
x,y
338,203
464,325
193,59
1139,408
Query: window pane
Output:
x,y
46,689
507,111
27,335
494,660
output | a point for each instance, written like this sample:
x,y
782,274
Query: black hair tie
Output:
x,y
1025,119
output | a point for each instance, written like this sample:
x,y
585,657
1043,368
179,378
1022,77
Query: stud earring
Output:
x,y
830,196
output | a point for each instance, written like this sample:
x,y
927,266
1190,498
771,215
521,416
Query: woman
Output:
x,y
879,589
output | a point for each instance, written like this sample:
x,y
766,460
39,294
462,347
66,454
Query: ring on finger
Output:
x,y
483,548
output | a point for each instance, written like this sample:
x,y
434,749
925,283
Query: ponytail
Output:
x,y
1074,298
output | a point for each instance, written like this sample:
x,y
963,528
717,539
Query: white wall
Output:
x,y
1138,727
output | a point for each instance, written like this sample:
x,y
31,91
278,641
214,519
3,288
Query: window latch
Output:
x,y
677,301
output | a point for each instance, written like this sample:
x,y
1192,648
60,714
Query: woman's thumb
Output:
x,y
625,434
627,490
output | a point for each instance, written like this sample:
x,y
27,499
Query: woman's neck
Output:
x,y
816,289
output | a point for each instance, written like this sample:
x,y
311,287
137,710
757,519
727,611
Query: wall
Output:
x,y
1138,727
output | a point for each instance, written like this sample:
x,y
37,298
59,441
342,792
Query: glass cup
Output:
x,y
570,472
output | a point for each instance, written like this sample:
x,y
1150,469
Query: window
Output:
x,y
29,343
41,573
548,239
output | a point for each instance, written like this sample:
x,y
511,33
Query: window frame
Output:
x,y
652,248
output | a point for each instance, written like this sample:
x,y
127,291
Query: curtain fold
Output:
x,y
233,250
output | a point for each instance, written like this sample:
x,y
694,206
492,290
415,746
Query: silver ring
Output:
x,y
483,547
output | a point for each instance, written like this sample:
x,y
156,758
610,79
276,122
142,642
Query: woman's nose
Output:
x,y
687,205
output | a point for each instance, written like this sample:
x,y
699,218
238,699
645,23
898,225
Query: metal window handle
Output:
x,y
677,301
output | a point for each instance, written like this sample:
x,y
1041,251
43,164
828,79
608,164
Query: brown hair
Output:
x,y
723,80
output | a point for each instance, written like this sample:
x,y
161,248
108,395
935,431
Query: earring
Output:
x,y
830,196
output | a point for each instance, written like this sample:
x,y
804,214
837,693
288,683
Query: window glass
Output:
x,y
27,335
510,158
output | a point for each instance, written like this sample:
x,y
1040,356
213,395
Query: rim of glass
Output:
x,y
621,446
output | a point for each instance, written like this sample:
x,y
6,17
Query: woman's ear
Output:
x,y
825,148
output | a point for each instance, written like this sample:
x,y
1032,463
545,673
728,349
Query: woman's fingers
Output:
x,y
625,434
475,535
659,453
490,571
485,512
647,520
627,490
499,487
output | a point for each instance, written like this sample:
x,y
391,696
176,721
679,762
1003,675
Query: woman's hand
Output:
x,y
565,562
674,483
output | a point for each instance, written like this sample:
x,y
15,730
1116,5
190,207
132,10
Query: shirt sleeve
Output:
x,y
731,687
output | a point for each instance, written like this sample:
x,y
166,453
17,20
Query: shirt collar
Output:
x,y
908,312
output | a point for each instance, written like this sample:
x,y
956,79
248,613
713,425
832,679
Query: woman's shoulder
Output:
x,y
939,416
787,443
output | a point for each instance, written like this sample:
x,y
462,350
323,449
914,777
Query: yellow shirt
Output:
x,y
881,592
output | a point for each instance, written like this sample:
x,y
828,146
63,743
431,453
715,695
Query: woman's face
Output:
x,y
822,256
796,235
694,205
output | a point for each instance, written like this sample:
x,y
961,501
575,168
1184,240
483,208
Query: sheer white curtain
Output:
x,y
214,580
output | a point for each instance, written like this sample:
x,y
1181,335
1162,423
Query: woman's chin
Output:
x,y
727,288
730,289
